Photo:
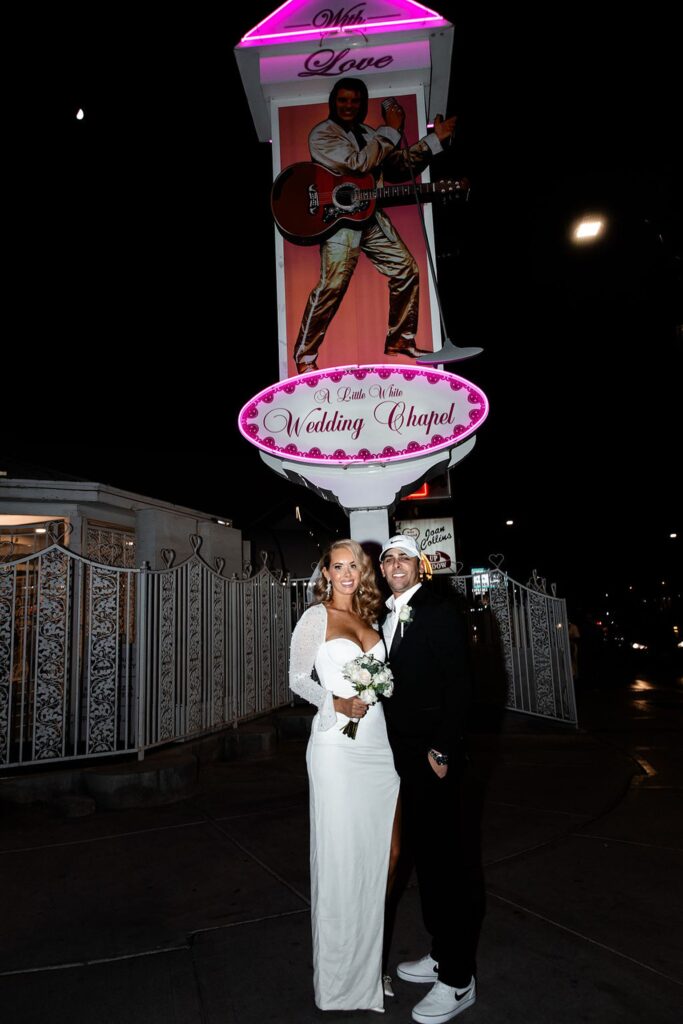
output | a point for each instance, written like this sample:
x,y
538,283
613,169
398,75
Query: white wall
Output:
x,y
157,529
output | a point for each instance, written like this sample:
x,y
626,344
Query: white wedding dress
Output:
x,y
353,793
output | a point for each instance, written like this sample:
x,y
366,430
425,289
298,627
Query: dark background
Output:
x,y
141,287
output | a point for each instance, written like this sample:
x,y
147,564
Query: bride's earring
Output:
x,y
328,589
361,591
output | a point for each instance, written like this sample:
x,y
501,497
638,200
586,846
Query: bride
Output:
x,y
353,784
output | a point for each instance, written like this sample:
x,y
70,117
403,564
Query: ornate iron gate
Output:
x,y
523,631
98,660
214,651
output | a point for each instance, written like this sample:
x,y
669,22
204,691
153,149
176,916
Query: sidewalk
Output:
x,y
197,912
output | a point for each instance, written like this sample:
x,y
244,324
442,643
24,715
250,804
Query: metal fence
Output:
x,y
520,644
213,651
97,660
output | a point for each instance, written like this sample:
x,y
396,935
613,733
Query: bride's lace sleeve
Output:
x,y
308,635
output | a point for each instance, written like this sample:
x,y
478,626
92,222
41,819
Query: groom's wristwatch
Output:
x,y
438,758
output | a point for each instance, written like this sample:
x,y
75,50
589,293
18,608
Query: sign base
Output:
x,y
367,493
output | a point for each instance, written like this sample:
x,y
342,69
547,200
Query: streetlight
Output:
x,y
589,228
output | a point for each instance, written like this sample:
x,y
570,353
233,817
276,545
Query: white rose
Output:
x,y
389,689
368,696
364,677
354,674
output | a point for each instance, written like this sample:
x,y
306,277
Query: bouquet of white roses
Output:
x,y
370,679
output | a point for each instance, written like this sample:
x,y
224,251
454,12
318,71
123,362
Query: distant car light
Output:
x,y
639,647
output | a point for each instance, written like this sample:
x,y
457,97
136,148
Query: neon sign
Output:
x,y
330,63
363,414
298,20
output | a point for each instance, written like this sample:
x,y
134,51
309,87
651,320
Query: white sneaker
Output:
x,y
422,972
443,1002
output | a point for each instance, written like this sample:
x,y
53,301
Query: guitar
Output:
x,y
309,202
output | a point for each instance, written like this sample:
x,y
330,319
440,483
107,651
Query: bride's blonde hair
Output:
x,y
367,600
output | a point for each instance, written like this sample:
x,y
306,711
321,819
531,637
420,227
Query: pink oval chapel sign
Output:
x,y
363,414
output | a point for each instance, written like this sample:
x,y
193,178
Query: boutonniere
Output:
x,y
405,616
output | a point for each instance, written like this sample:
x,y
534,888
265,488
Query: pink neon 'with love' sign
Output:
x,y
352,414
297,20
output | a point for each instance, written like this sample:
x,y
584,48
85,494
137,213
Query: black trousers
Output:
x,y
451,889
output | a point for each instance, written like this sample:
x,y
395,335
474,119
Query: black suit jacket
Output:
x,y
432,687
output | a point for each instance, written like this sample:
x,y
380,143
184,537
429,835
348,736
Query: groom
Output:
x,y
425,721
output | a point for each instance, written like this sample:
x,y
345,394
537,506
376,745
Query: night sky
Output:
x,y
142,285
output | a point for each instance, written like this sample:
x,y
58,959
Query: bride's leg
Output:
x,y
390,904
395,848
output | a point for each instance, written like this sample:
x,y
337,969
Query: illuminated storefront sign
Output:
x,y
484,580
435,538
337,62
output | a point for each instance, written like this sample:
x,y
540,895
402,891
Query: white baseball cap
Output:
x,y
403,543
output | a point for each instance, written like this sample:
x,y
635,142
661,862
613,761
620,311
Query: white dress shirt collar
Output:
x,y
396,602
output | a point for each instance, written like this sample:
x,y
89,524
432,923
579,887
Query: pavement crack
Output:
x,y
266,867
102,839
585,938
199,987
99,961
